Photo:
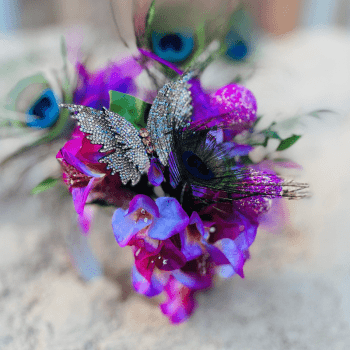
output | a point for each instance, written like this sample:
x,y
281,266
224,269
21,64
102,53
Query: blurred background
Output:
x,y
296,293
274,16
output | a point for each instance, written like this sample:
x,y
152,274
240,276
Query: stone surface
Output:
x,y
296,291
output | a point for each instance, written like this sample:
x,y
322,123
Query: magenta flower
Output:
x,y
162,219
86,178
81,182
179,255
221,243
193,238
224,240
148,227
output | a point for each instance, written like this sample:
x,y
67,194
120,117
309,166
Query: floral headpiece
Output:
x,y
197,196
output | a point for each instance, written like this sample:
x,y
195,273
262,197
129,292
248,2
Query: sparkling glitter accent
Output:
x,y
238,102
115,134
171,109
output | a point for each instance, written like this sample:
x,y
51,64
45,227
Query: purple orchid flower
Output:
x,y
221,243
148,226
93,88
162,219
216,243
231,235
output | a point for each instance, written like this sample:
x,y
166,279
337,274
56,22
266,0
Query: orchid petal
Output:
x,y
195,219
217,255
173,219
145,287
124,227
80,195
233,254
246,238
76,163
142,240
178,310
140,283
191,280
172,257
85,219
190,250
226,271
180,302
146,267
144,202
191,238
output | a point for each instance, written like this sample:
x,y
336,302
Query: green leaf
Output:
x,y
44,185
271,134
286,143
264,144
129,107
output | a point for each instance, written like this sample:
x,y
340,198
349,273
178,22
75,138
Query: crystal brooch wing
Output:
x,y
126,153
171,109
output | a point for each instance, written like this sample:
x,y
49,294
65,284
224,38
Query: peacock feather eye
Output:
x,y
35,102
173,47
237,47
196,166
175,32
44,112
240,36
196,158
